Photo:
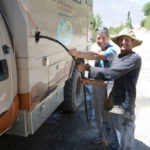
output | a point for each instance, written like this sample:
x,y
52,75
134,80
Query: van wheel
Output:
x,y
73,92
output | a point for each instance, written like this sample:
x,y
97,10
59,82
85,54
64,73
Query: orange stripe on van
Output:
x,y
29,100
8,118
26,101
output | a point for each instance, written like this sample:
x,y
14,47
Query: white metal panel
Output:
x,y
8,87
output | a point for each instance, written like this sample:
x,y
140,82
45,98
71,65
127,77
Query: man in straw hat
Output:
x,y
119,106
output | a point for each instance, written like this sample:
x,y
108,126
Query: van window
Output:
x,y
3,70
89,2
78,1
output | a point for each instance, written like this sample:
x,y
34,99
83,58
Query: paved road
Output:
x,y
142,131
61,131
64,131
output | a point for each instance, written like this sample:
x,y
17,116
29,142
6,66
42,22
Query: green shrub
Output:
x,y
96,23
142,23
116,30
146,9
146,22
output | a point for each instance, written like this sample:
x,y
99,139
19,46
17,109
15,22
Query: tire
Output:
x,y
73,93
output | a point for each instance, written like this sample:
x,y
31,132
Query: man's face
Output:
x,y
102,40
126,43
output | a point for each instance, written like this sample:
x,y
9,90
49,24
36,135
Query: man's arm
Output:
x,y
94,82
82,67
118,68
87,55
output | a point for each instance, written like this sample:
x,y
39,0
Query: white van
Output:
x,y
35,78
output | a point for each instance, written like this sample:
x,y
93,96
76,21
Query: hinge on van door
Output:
x,y
6,49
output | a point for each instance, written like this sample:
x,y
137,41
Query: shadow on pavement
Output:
x,y
61,131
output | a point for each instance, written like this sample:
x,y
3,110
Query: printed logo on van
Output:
x,y
64,31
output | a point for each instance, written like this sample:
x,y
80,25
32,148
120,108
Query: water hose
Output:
x,y
37,38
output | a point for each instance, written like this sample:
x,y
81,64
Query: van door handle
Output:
x,y
6,49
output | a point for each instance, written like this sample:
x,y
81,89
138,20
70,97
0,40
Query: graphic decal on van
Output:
x,y
64,31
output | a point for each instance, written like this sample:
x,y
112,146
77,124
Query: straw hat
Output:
x,y
127,32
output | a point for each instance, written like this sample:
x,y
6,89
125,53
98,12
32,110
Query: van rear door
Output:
x,y
8,75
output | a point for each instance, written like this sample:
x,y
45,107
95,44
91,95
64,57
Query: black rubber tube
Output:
x,y
37,38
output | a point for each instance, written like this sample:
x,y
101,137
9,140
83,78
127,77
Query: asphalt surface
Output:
x,y
142,122
62,131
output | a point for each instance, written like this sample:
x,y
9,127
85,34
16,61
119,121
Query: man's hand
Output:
x,y
82,67
85,81
73,52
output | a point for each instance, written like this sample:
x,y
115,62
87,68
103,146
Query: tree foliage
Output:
x,y
129,21
96,23
116,30
146,9
146,22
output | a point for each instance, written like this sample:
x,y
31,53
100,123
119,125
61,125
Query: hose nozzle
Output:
x,y
37,36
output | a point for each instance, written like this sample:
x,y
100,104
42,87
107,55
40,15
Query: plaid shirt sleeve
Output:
x,y
110,53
